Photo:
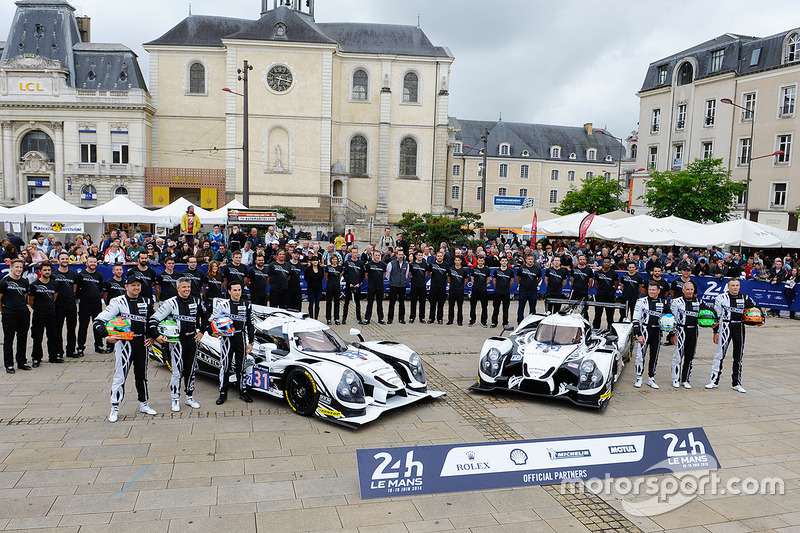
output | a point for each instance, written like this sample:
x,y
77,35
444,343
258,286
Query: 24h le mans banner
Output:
x,y
460,467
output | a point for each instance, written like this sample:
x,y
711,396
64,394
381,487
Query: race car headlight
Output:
x,y
490,363
415,362
590,377
350,388
587,367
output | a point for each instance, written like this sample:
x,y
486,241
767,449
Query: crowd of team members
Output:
x,y
273,276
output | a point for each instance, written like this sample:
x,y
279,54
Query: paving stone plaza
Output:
x,y
260,467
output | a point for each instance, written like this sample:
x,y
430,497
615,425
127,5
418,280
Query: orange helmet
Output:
x,y
753,316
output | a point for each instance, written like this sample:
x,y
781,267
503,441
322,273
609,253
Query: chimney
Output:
x,y
588,128
85,28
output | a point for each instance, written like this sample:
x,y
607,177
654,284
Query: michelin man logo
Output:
x,y
518,457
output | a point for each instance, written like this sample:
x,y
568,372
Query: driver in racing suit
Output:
x,y
730,309
685,308
237,345
188,311
646,317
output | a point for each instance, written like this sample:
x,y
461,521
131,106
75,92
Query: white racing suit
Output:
x,y
685,312
138,311
730,310
646,314
190,315
236,345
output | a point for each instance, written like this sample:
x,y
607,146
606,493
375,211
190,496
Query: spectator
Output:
x,y
190,225
215,238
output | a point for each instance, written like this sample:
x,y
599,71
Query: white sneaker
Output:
x,y
145,408
176,406
687,385
676,383
638,382
191,403
112,417
739,388
652,382
232,378
712,385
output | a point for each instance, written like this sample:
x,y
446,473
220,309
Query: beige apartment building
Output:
x,y
531,164
683,117
346,121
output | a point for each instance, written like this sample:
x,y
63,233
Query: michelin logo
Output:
x,y
567,454
623,448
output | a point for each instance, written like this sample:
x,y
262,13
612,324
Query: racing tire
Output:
x,y
301,392
160,358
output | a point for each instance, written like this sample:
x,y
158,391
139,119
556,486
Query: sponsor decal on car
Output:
x,y
328,412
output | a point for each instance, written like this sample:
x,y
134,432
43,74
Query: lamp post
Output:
x,y
245,133
619,161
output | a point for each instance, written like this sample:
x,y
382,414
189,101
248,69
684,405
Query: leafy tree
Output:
x,y
703,192
595,194
286,217
435,228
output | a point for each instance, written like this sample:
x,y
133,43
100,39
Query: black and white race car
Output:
x,y
557,355
319,374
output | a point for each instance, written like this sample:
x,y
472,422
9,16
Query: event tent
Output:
x,y
644,229
9,216
173,212
122,209
515,220
50,208
220,216
739,232
568,225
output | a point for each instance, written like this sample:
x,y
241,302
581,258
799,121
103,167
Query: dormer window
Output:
x,y
505,149
555,152
793,48
591,155
280,30
573,156
526,153
609,158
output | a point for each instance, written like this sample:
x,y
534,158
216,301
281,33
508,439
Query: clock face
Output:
x,y
279,78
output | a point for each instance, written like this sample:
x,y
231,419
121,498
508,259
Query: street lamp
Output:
x,y
619,161
752,113
245,133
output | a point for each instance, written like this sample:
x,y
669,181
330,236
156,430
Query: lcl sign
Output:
x,y
31,86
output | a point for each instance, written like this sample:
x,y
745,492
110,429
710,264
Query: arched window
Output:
x,y
607,175
408,157
338,188
88,195
634,151
553,196
197,78
505,149
120,191
554,175
793,48
555,152
685,74
502,191
360,81
455,192
571,175
37,141
358,155
411,88
591,155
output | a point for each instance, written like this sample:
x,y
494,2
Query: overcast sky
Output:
x,y
561,62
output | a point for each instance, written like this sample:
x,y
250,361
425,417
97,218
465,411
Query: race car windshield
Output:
x,y
558,335
324,340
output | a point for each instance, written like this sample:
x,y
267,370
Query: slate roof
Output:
x,y
201,30
299,29
382,39
48,28
738,52
536,139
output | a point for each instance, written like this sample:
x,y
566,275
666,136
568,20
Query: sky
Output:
x,y
564,62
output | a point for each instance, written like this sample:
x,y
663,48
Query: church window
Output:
x,y
358,155
408,157
360,85
411,88
197,78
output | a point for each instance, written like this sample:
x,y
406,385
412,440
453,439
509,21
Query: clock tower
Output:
x,y
301,6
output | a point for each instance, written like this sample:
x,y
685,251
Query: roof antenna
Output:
x,y
501,116
190,9
417,20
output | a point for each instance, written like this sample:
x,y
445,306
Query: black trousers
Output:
x,y
259,298
86,314
232,347
630,305
578,296
278,298
70,315
438,296
332,299
598,312
526,298
652,343
44,323
474,299
456,302
352,294
295,297
418,297
501,300
15,323
397,294
374,295
553,307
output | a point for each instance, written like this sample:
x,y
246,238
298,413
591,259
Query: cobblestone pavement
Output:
x,y
258,466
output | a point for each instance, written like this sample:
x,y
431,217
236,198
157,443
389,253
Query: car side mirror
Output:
x,y
508,327
269,347
355,332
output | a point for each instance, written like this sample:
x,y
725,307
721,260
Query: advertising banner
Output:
x,y
57,227
252,216
386,472
508,203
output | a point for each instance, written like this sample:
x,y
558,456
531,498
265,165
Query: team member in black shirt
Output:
x,y
313,275
555,279
632,287
605,282
397,274
16,317
376,271
257,281
166,284
418,274
196,275
333,288
145,274
235,270
90,292
457,276
66,310
582,282
115,286
528,276
480,278
438,294
503,278
295,293
353,276
214,283
41,297
676,287
279,273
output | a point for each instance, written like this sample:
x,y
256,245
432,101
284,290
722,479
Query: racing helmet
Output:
x,y
169,329
223,325
119,328
753,316
667,323
706,318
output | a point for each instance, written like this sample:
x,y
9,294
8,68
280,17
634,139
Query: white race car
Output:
x,y
557,355
319,374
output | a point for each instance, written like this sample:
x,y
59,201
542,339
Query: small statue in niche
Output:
x,y
278,166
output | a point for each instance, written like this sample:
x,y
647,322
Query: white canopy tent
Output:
x,y
50,208
738,232
173,212
220,216
10,216
568,225
644,229
122,209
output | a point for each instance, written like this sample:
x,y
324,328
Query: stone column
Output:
x,y
382,208
9,166
58,180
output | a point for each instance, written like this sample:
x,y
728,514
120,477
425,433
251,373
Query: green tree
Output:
x,y
456,230
703,192
595,194
286,217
